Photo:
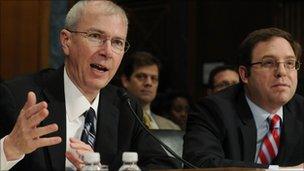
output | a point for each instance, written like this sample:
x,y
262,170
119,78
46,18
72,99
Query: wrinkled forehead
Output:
x,y
93,17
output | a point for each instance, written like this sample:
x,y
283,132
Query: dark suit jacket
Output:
x,y
117,130
222,132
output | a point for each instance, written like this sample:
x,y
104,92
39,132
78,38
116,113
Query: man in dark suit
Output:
x,y
258,123
44,116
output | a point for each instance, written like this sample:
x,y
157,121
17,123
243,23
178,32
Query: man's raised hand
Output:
x,y
26,136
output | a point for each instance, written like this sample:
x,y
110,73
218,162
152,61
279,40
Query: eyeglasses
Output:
x,y
271,63
98,39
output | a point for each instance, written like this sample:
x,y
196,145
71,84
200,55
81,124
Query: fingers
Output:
x,y
30,107
37,118
43,142
36,108
79,145
82,152
31,100
74,159
41,131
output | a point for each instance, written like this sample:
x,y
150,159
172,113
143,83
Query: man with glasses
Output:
x,y
140,77
48,118
260,122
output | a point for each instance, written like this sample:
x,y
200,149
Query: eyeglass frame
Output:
x,y
86,33
297,64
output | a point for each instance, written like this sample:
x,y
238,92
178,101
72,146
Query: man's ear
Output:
x,y
243,72
65,41
124,81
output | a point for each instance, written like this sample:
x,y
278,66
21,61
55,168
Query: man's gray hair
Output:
x,y
106,7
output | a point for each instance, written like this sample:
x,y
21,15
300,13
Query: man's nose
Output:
x,y
280,70
148,81
106,48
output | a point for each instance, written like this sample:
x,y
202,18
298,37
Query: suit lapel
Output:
x,y
107,127
54,92
247,129
291,127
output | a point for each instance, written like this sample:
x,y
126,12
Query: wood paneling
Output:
x,y
24,37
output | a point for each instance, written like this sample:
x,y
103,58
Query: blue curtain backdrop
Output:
x,y
58,12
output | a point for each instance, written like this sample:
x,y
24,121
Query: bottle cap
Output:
x,y
91,157
129,157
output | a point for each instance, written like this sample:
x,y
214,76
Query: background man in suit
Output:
x,y
76,100
232,128
222,77
140,78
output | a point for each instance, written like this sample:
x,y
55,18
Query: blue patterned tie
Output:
x,y
88,133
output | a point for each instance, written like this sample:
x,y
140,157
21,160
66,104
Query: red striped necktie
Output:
x,y
271,141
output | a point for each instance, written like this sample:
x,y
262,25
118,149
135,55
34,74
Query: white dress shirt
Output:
x,y
76,104
260,117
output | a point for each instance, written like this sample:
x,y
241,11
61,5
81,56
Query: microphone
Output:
x,y
125,97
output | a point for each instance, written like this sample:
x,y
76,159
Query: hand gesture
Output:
x,y
26,135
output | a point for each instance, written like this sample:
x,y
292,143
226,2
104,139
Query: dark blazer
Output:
x,y
222,132
117,130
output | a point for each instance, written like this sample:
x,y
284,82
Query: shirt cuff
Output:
x,y
6,165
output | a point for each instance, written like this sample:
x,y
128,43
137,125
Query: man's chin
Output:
x,y
146,100
282,99
98,85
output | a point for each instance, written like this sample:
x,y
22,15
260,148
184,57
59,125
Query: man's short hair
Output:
x,y
262,35
217,70
105,6
137,60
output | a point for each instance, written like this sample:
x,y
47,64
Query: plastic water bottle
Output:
x,y
129,160
92,162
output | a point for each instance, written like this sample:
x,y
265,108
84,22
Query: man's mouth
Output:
x,y
99,67
281,85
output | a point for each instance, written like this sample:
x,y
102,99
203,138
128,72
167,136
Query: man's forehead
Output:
x,y
146,69
270,48
109,23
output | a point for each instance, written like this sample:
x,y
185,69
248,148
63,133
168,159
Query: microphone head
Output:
x,y
122,93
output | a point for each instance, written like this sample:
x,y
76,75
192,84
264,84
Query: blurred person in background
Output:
x,y
140,77
222,77
173,105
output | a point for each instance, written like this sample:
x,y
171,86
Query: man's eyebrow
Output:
x,y
96,30
103,32
274,57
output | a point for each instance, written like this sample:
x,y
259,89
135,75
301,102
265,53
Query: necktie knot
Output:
x,y
274,121
88,133
89,115
147,120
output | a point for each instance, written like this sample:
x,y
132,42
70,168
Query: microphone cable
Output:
x,y
124,96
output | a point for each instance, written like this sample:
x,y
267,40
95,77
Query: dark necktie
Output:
x,y
88,133
271,142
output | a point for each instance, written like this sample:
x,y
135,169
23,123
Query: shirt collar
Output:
x,y
259,114
76,103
